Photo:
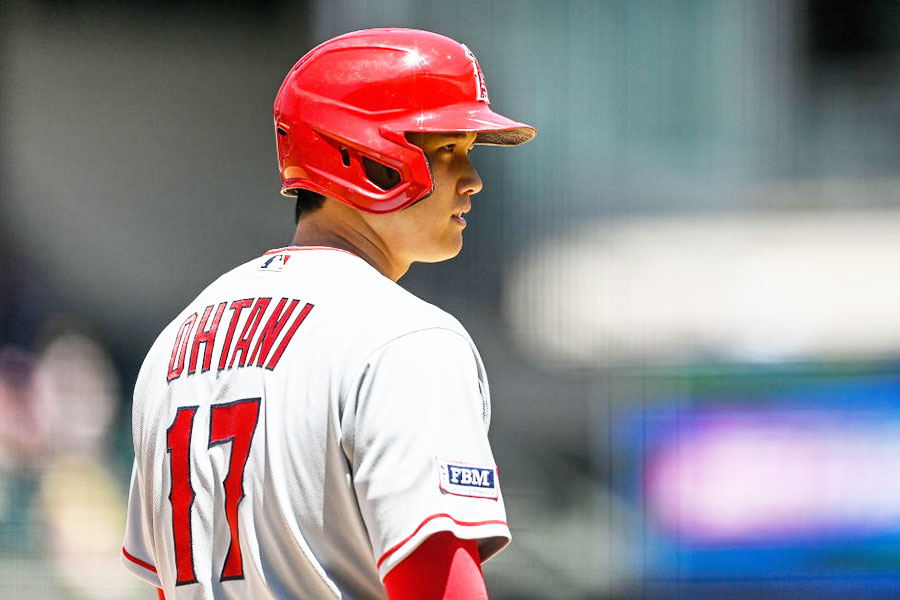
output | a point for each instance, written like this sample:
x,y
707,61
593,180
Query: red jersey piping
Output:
x,y
296,248
138,561
432,517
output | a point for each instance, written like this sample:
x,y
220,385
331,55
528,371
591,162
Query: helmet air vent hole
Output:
x,y
281,131
381,175
345,156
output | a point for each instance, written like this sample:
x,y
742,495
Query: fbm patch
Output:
x,y
461,479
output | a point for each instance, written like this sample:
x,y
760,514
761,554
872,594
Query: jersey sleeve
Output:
x,y
417,443
135,554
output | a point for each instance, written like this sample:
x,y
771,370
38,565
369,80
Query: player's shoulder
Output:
x,y
373,303
402,310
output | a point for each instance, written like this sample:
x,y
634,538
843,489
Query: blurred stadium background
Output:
x,y
686,290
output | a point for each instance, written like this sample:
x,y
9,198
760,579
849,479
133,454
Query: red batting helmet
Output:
x,y
348,103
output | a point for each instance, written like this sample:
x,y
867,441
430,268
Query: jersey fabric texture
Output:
x,y
300,428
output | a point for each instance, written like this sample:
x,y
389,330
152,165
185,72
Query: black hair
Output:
x,y
307,202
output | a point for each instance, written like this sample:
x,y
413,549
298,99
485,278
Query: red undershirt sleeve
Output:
x,y
443,567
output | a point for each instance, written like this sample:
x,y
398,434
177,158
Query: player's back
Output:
x,y
240,433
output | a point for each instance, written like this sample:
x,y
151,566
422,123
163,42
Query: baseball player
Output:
x,y
306,428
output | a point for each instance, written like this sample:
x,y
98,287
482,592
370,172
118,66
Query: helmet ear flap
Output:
x,y
380,174
370,168
343,155
411,162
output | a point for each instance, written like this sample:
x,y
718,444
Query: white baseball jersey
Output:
x,y
300,428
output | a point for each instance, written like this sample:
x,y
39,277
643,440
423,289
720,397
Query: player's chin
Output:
x,y
450,247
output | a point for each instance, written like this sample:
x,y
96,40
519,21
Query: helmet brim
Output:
x,y
492,129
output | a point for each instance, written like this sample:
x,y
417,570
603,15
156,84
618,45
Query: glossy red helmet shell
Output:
x,y
354,97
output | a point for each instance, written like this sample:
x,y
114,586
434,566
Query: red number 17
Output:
x,y
234,422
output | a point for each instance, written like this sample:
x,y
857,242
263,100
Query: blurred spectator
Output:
x,y
76,397
58,496
19,448
76,393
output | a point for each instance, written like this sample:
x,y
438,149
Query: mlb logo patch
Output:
x,y
275,263
461,479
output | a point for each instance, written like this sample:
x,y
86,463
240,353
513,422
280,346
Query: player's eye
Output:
x,y
449,148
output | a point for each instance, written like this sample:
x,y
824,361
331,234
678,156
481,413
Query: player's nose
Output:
x,y
469,181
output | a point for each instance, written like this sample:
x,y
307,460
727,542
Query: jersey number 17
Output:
x,y
233,422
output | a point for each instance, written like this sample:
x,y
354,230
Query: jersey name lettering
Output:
x,y
255,345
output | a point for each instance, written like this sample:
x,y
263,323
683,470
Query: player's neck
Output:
x,y
324,228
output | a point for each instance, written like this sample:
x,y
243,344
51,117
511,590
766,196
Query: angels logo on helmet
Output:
x,y
481,93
